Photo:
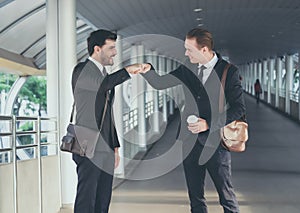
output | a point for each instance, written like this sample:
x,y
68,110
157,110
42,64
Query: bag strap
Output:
x,y
72,113
104,110
103,115
222,88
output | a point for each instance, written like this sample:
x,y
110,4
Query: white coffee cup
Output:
x,y
192,119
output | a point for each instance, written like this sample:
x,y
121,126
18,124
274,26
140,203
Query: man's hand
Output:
x,y
134,68
138,68
117,157
145,68
200,126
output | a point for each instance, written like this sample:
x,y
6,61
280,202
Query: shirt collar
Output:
x,y
211,63
100,66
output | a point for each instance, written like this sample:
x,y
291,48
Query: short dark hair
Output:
x,y
98,37
203,37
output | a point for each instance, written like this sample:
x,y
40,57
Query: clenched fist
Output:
x,y
134,68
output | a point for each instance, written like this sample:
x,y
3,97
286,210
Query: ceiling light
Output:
x,y
199,19
200,25
198,10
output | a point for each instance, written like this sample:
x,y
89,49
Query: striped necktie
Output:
x,y
200,72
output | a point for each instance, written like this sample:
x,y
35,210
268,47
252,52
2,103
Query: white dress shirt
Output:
x,y
100,66
209,67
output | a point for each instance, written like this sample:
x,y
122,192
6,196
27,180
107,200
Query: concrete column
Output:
x,y
254,72
134,97
251,78
118,109
162,67
248,78
2,102
259,70
176,90
134,91
61,58
289,82
259,73
141,86
156,111
171,103
299,87
278,79
52,71
148,89
270,79
265,79
242,73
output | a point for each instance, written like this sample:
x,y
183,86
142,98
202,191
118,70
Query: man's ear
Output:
x,y
97,48
205,49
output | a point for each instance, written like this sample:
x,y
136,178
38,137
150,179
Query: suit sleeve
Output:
x,y
114,79
161,82
234,98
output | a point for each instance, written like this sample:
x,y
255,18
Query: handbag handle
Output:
x,y
222,88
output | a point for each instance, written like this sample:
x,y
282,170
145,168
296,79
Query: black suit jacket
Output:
x,y
90,89
203,100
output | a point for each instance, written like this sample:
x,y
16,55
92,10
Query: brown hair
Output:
x,y
203,37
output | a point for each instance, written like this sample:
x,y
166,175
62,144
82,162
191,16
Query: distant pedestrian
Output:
x,y
258,90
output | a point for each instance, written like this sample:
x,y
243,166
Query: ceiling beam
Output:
x,y
15,64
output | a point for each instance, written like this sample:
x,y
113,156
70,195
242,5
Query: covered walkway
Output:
x,y
266,176
44,39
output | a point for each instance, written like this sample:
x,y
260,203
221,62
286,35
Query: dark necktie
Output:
x,y
200,72
104,71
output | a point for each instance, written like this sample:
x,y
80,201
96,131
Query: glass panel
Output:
x,y
26,140
5,126
25,126
48,138
48,125
26,153
5,157
5,142
48,150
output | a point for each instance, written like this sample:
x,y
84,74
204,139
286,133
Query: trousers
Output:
x,y
94,187
219,169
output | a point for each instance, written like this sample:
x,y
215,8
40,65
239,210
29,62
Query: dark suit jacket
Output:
x,y
203,100
90,89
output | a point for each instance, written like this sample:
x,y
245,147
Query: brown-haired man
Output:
x,y
204,85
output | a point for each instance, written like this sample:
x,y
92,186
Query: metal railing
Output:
x,y
11,147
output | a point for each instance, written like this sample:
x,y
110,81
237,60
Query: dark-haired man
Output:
x,y
93,91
